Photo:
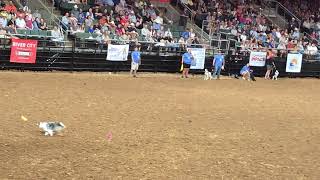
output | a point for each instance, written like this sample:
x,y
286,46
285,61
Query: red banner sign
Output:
x,y
23,51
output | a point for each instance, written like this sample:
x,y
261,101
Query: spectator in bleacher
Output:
x,y
57,35
28,20
145,32
182,43
106,37
296,34
120,30
108,3
65,21
90,29
35,23
43,25
20,23
11,8
312,49
139,23
73,23
75,11
36,14
282,49
90,14
3,19
185,34
168,34
88,22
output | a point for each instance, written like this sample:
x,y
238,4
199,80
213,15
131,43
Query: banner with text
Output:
x,y
23,51
118,52
294,62
257,58
199,55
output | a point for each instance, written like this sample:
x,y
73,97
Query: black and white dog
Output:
x,y
50,128
275,76
207,75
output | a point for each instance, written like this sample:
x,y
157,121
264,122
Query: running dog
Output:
x,y
275,76
207,75
50,128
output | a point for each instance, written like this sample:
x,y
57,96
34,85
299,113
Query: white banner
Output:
x,y
294,62
199,55
258,58
118,52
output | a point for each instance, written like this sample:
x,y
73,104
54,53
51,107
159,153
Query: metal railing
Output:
x,y
284,13
49,8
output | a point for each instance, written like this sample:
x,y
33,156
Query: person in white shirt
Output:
x,y
282,47
65,21
145,32
168,34
57,35
312,49
20,23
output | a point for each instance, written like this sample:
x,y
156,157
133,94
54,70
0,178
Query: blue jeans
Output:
x,y
217,71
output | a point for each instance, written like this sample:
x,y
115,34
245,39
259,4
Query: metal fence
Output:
x,y
91,56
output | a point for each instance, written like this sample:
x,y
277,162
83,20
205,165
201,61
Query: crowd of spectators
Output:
x,y
250,28
13,19
309,12
126,21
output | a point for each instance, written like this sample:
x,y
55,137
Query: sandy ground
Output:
x,y
162,127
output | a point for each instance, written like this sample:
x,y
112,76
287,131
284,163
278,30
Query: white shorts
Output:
x,y
134,66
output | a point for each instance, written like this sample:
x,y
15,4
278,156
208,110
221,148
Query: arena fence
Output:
x,y
91,56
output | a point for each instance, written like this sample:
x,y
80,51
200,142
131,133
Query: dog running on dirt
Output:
x,y
51,128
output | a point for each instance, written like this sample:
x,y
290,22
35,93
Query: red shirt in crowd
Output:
x,y
10,8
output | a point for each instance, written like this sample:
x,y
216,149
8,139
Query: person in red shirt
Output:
x,y
10,7
124,21
270,63
103,20
291,45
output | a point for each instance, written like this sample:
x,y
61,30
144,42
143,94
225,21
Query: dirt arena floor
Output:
x,y
162,127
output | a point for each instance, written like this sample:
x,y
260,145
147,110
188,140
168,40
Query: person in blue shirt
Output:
x,y
218,65
247,73
187,59
135,61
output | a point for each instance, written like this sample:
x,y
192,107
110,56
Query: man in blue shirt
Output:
x,y
135,61
247,73
218,64
186,62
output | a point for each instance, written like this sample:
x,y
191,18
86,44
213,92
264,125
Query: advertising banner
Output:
x,y
199,55
258,58
118,52
23,51
294,62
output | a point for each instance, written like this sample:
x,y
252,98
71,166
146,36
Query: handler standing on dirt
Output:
x,y
218,65
135,61
186,63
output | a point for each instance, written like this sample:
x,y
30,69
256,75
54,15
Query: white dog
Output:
x,y
207,75
275,76
50,128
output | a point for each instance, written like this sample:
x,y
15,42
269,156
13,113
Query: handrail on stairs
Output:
x,y
54,18
292,15
287,11
189,11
